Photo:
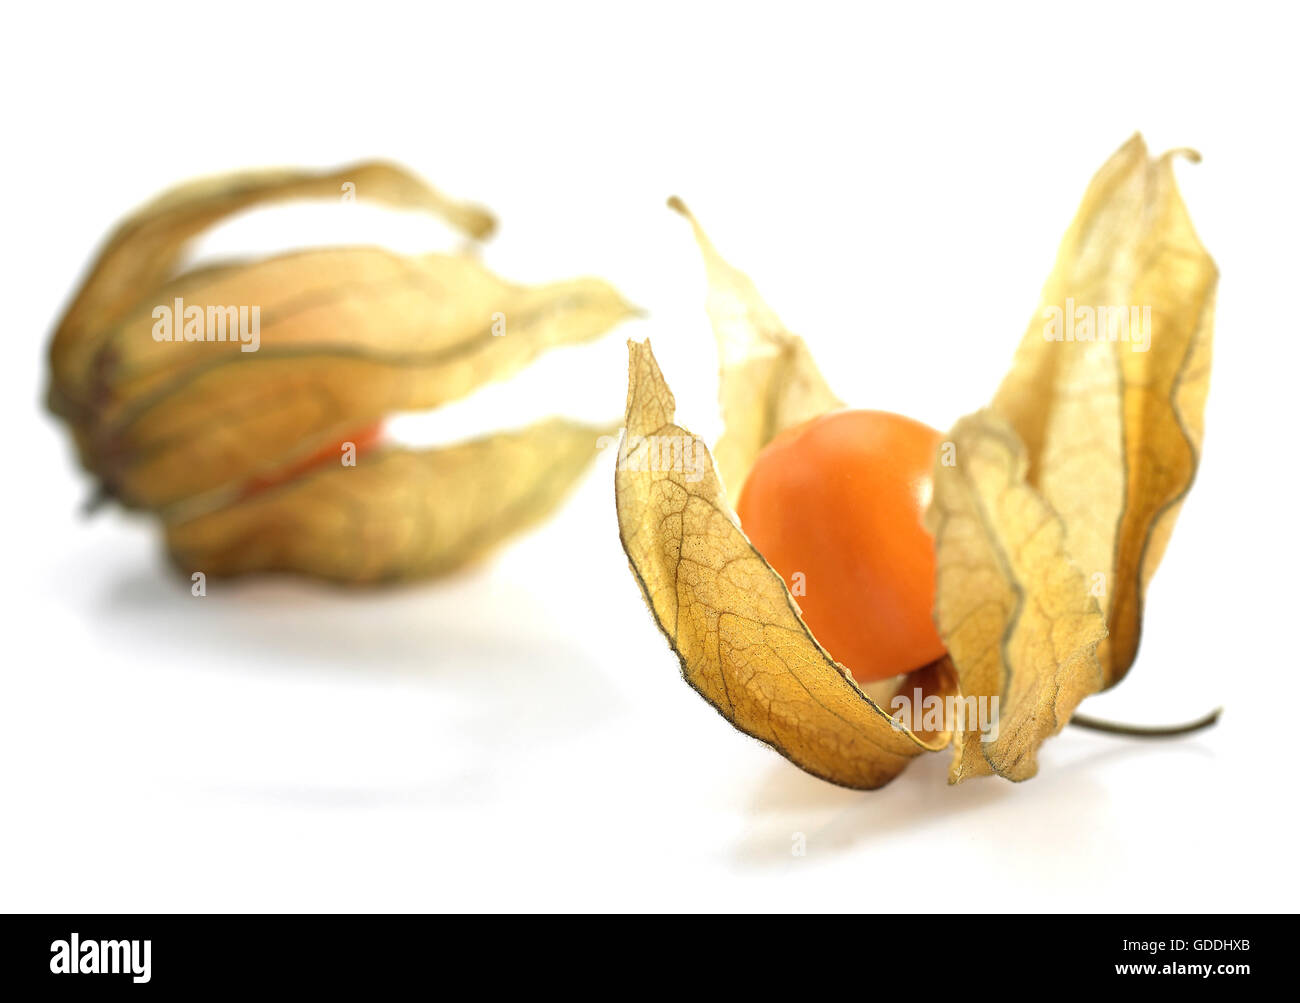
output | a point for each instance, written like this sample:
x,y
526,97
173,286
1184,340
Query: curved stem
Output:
x,y
1147,731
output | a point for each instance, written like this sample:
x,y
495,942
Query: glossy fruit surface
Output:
x,y
836,506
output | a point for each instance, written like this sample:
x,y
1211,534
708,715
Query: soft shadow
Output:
x,y
283,622
488,646
790,805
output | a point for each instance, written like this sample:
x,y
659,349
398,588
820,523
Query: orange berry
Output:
x,y
840,500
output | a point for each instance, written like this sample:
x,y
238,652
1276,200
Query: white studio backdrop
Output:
x,y
895,180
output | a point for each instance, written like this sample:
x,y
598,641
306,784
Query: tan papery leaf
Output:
x,y
767,381
145,248
347,336
400,514
1013,610
1113,426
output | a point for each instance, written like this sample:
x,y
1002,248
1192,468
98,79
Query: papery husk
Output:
x,y
1012,608
1051,508
400,514
767,379
729,617
348,336
146,248
1113,434
234,442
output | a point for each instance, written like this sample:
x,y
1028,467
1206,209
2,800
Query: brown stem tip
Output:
x,y
1147,731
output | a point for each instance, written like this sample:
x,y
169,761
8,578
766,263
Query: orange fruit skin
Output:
x,y
841,499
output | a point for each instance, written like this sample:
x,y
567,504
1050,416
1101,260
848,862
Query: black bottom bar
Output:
x,y
142,954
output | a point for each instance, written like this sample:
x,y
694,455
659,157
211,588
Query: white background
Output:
x,y
896,182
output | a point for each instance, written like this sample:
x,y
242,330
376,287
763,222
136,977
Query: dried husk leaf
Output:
x,y
728,616
768,381
1113,435
146,248
348,336
399,514
1013,610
